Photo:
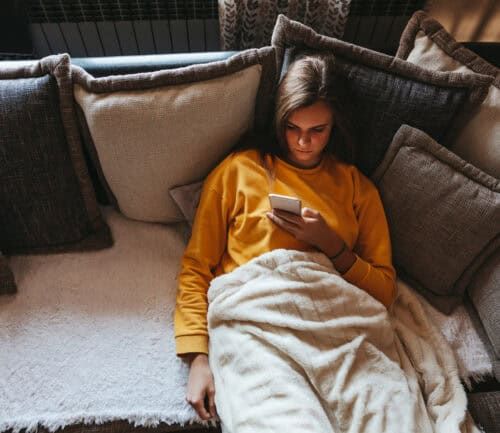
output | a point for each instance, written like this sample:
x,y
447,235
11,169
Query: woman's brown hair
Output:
x,y
308,79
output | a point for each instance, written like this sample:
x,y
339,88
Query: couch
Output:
x,y
89,295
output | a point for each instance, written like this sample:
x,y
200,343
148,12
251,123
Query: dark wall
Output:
x,y
14,32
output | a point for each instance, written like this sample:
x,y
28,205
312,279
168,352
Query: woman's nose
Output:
x,y
304,139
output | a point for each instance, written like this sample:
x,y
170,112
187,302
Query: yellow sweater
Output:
x,y
231,228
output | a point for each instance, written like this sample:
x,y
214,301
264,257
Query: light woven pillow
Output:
x,y
380,92
443,214
153,131
425,42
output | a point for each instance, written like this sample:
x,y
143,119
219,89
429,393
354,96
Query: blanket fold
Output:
x,y
294,346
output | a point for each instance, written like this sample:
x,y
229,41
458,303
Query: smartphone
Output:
x,y
285,202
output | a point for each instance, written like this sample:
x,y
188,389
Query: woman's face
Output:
x,y
307,131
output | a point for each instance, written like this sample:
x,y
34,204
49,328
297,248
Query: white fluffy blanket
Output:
x,y
296,348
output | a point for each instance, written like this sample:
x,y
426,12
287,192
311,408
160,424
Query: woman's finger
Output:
x,y
211,403
287,216
199,406
307,211
292,228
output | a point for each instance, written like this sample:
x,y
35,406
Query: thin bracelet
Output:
x,y
344,247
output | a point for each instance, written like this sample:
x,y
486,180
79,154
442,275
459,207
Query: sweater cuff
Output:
x,y
357,272
191,344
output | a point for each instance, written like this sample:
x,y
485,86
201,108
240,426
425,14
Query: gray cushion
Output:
x,y
484,292
7,282
485,409
483,336
385,92
443,215
51,206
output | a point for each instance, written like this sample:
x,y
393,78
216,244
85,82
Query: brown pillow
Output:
x,y
425,42
443,215
7,282
385,92
43,175
187,197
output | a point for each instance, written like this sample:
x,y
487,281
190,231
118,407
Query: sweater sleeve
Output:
x,y
199,261
373,270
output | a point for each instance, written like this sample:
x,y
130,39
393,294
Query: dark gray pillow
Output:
x,y
7,282
48,202
385,92
443,215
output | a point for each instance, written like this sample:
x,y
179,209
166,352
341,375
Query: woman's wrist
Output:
x,y
191,357
333,245
338,253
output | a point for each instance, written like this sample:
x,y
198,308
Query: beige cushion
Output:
x,y
426,43
149,140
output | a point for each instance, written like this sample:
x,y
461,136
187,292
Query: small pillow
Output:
x,y
426,43
148,132
443,215
48,202
7,281
386,92
187,197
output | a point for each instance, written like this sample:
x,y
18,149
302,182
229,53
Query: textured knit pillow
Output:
x,y
385,92
426,43
7,281
48,202
443,214
149,132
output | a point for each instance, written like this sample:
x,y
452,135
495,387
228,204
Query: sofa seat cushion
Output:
x,y
89,336
484,292
96,329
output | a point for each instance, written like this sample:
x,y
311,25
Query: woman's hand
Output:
x,y
310,227
201,385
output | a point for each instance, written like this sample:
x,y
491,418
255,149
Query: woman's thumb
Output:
x,y
307,211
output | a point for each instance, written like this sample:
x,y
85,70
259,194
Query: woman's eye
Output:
x,y
318,129
290,126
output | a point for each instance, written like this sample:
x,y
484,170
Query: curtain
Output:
x,y
249,23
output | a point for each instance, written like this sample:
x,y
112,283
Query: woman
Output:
x,y
342,214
